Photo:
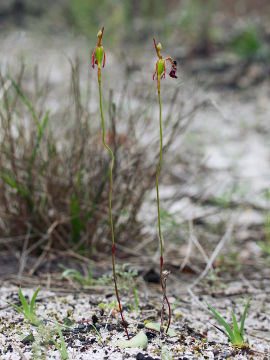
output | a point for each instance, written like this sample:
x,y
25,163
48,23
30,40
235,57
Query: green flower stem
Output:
x,y
159,224
110,200
157,175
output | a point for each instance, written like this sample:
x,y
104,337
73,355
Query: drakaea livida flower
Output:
x,y
98,55
160,70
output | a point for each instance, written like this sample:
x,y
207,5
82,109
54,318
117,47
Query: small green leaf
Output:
x,y
165,354
75,274
138,341
20,310
62,346
220,319
244,318
156,327
28,339
67,321
238,337
63,351
33,300
24,302
28,311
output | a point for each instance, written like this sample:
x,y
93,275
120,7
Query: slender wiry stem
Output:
x,y
157,175
159,224
110,203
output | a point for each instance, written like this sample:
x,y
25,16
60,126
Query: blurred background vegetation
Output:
x,y
190,22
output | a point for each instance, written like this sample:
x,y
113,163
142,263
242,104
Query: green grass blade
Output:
x,y
20,310
55,344
26,102
165,354
10,181
265,247
98,333
76,222
237,334
63,351
136,299
33,156
24,302
98,195
33,300
40,126
76,275
244,318
220,319
90,275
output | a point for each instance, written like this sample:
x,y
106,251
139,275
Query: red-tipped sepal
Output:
x,y
93,58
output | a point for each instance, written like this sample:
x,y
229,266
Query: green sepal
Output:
x,y
160,67
99,55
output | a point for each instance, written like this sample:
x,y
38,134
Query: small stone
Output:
x,y
151,276
94,319
81,326
141,356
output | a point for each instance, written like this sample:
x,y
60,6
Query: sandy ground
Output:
x,y
195,337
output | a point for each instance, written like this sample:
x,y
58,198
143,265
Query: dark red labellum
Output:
x,y
172,73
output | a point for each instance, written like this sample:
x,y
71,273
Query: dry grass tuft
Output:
x,y
54,184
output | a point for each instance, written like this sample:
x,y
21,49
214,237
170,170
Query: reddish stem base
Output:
x,y
116,292
165,296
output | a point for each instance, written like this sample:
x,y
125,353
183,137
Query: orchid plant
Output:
x,y
99,59
159,74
